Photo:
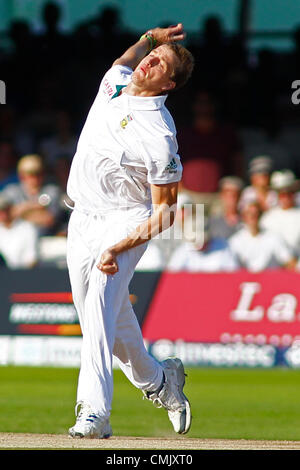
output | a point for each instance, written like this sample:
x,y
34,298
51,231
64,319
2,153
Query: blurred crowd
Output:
x,y
238,136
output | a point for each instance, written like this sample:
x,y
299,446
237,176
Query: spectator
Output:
x,y
285,218
257,249
212,256
18,239
32,199
227,223
259,190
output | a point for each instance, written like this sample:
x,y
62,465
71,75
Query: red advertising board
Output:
x,y
241,306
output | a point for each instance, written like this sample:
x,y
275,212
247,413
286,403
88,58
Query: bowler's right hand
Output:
x,y
171,34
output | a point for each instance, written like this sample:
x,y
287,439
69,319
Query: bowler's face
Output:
x,y
154,71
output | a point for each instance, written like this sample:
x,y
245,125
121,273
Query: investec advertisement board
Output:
x,y
236,319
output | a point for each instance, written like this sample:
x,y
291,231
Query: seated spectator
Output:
x,y
285,218
211,256
18,239
257,249
227,223
259,190
32,198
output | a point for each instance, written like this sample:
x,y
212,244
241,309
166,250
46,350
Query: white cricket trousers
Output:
x,y
108,323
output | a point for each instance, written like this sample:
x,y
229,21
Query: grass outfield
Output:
x,y
226,403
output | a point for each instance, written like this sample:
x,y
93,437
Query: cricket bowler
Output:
x,y
123,181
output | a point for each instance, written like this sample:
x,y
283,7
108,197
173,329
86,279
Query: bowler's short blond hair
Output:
x,y
184,69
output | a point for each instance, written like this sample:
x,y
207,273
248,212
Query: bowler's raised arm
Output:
x,y
148,41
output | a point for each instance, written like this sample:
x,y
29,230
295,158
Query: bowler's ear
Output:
x,y
169,86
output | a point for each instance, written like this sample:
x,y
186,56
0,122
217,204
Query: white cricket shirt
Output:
x,y
127,143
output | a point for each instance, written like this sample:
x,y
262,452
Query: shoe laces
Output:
x,y
83,412
158,398
155,399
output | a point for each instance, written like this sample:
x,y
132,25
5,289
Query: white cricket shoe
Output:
x,y
89,425
171,396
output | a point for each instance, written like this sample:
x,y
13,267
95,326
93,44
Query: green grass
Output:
x,y
226,403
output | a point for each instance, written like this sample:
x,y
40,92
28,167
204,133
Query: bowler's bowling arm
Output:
x,y
133,56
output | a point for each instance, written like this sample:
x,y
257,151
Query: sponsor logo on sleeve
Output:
x,y
172,166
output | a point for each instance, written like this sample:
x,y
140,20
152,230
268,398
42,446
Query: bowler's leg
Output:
x,y
140,368
103,303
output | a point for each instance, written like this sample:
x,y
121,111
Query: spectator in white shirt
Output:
x,y
260,169
32,198
256,249
285,219
212,256
18,239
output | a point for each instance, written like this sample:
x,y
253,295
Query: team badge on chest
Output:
x,y
126,120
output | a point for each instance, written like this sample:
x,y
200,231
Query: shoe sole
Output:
x,y
187,421
188,417
79,435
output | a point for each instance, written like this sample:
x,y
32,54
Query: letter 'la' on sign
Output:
x,y
243,311
2,92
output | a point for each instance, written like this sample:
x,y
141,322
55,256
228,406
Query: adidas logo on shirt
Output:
x,y
172,166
